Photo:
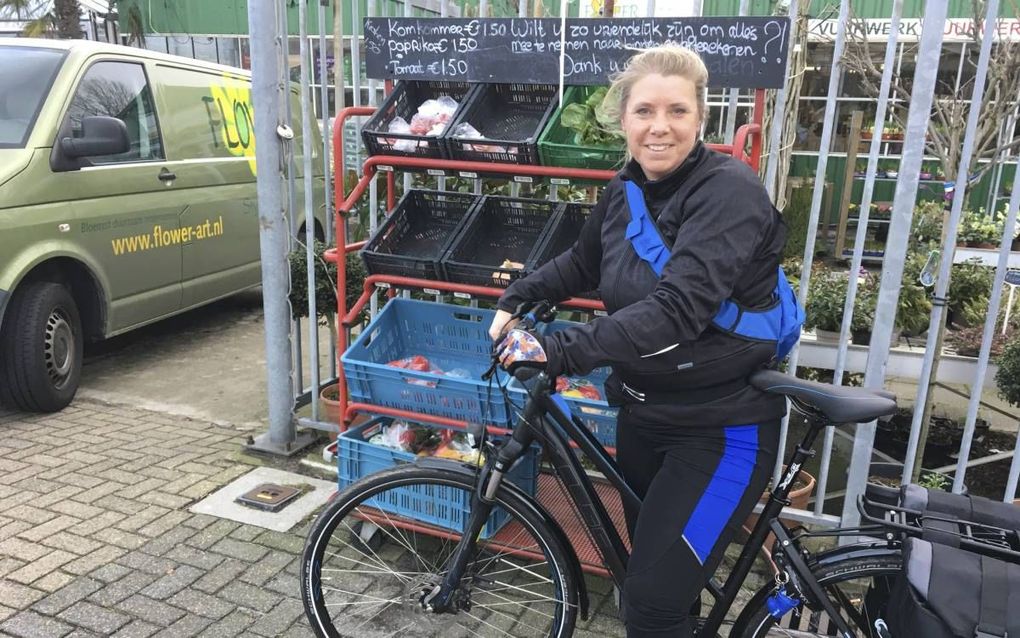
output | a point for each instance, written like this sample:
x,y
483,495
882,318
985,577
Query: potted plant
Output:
x,y
980,230
913,310
325,302
864,309
823,312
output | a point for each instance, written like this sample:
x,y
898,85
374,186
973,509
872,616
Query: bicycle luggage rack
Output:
x,y
549,495
980,538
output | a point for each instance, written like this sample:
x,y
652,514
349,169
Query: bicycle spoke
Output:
x,y
405,544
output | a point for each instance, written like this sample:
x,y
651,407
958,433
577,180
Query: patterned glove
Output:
x,y
521,350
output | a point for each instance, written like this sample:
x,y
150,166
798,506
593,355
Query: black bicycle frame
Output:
x,y
533,425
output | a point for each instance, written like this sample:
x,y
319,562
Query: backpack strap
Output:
x,y
994,599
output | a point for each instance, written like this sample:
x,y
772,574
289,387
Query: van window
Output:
x,y
120,90
24,83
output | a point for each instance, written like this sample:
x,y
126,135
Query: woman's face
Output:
x,y
661,122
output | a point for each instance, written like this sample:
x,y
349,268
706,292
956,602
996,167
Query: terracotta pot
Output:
x,y
329,406
799,499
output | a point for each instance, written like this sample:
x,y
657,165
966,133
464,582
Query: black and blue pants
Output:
x,y
697,486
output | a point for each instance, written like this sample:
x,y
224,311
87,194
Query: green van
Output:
x,y
127,194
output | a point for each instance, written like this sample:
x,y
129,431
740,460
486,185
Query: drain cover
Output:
x,y
269,497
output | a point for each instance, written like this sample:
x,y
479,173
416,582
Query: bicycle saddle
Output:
x,y
838,403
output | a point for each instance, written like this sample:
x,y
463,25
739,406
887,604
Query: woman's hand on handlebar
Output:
x,y
502,323
521,354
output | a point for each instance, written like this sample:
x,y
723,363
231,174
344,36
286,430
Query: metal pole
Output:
x,y
731,109
986,339
307,118
929,48
273,229
862,229
407,176
942,284
779,112
816,199
326,151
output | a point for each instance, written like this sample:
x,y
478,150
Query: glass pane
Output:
x,y
155,43
28,73
229,52
205,49
180,45
119,90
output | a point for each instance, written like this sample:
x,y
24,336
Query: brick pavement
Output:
x,y
96,538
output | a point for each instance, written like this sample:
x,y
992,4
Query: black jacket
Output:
x,y
727,241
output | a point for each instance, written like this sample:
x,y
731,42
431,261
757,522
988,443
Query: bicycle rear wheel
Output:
x,y
858,587
365,567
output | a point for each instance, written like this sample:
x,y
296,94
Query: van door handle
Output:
x,y
166,175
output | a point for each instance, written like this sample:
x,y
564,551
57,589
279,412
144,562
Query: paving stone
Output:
x,y
6,612
71,543
41,566
186,627
202,604
53,581
98,619
22,549
170,584
147,563
122,589
239,550
164,524
29,514
96,524
285,584
78,510
284,542
194,557
29,624
17,595
236,623
267,568
150,610
49,528
120,538
110,572
122,505
225,572
101,489
279,619
82,633
246,533
213,534
79,589
102,556
13,529
141,487
246,595
8,565
170,501
137,629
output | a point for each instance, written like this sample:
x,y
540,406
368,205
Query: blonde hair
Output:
x,y
665,60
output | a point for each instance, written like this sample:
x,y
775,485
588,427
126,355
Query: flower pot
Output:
x,y
1016,244
329,406
861,337
826,336
799,497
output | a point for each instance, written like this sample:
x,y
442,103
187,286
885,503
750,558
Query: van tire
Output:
x,y
40,348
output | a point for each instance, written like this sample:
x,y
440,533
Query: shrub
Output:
x,y
325,282
1007,378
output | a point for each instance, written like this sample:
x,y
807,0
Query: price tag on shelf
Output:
x,y
436,172
600,313
384,168
461,295
524,179
468,174
382,284
431,291
559,181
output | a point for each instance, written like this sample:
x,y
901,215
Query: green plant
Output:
x,y
913,311
796,214
826,296
865,303
594,127
325,283
980,227
1007,377
970,287
967,341
934,480
926,225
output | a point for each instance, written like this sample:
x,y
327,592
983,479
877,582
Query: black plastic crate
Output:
x,y
404,101
499,229
564,234
510,117
417,233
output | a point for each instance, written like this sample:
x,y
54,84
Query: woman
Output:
x,y
694,440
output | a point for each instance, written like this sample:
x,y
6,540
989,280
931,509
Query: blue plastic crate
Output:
x,y
437,505
451,338
597,416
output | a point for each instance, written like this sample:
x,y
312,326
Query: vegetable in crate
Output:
x,y
430,121
508,265
594,127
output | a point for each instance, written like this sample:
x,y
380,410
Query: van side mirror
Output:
x,y
101,135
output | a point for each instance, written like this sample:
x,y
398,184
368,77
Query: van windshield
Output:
x,y
27,77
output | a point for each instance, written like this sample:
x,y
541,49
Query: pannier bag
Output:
x,y
945,592
965,507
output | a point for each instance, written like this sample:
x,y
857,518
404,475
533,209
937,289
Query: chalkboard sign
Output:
x,y
1013,277
745,52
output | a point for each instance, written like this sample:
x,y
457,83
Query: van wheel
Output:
x,y
40,348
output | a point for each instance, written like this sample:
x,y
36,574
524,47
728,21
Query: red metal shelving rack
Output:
x,y
549,495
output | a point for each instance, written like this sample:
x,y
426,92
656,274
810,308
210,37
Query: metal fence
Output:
x,y
854,446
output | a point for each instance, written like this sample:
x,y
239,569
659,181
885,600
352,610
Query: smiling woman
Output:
x,y
678,234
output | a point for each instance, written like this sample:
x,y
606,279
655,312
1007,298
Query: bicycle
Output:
x,y
363,563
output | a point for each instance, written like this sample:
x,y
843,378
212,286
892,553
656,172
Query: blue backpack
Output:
x,y
779,323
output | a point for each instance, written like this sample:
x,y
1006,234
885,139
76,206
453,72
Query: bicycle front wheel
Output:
x,y
858,588
371,558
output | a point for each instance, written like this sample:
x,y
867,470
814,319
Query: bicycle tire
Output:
x,y
756,622
338,536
